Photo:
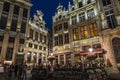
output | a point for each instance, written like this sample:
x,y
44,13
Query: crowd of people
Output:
x,y
19,72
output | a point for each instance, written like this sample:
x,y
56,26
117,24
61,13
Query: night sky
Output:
x,y
48,7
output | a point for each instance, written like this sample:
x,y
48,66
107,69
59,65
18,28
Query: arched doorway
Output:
x,y
116,47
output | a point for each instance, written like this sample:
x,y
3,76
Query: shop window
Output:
x,y
116,47
84,32
93,30
75,34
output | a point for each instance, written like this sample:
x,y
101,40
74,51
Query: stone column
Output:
x,y
19,18
64,59
4,46
32,54
72,59
16,45
110,54
37,57
58,59
25,56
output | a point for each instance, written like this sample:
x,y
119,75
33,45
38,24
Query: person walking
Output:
x,y
24,72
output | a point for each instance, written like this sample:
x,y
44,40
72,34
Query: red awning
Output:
x,y
100,51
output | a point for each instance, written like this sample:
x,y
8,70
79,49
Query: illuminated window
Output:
x,y
84,32
93,30
75,34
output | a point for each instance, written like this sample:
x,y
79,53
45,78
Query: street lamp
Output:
x,y
90,49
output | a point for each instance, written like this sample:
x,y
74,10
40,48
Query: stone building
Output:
x,y
14,16
60,29
36,42
92,24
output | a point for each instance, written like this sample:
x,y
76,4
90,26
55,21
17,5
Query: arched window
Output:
x,y
116,47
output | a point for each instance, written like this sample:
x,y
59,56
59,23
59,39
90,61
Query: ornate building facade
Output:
x,y
36,50
14,16
92,24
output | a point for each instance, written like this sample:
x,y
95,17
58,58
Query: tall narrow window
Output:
x,y
60,27
75,34
14,25
84,32
29,56
3,22
9,54
25,13
74,19
93,30
66,38
31,33
56,40
6,6
90,13
106,2
111,20
23,27
41,38
81,17
65,26
36,36
16,10
60,39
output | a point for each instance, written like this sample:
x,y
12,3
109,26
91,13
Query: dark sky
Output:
x,y
48,7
